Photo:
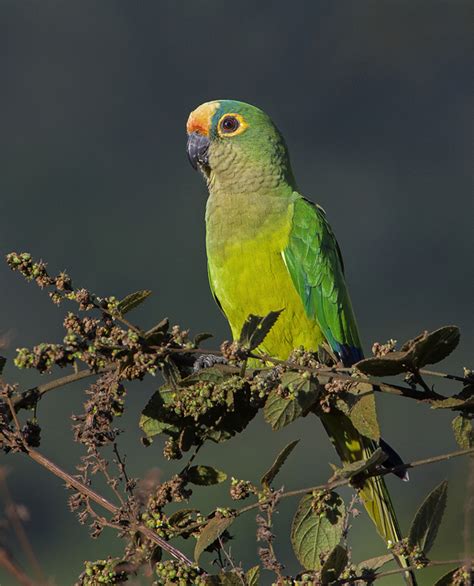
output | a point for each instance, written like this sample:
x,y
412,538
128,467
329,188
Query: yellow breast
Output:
x,y
248,275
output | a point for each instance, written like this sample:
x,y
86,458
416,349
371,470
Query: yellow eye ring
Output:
x,y
231,124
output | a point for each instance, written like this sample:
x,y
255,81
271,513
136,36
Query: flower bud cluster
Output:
x,y
241,489
94,427
301,357
384,349
333,389
173,573
102,572
198,399
324,502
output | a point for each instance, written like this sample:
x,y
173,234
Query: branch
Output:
x,y
331,484
455,377
336,373
10,566
30,397
19,529
104,503
377,575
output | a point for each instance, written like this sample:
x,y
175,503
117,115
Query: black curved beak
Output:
x,y
198,149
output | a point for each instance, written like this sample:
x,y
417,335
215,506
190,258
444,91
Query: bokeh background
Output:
x,y
375,101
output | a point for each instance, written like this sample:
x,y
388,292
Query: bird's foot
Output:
x,y
207,361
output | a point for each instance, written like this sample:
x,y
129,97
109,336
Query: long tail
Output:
x,y
351,446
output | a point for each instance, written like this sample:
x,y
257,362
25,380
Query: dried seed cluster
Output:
x,y
384,349
333,390
241,489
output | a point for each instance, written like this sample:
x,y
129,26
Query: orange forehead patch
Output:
x,y
200,119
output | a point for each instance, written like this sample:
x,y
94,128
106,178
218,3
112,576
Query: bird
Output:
x,y
270,249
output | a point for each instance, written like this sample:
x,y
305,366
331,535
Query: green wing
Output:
x,y
314,262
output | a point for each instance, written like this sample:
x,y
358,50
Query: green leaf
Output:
x,y
205,475
186,439
451,403
279,412
463,432
268,477
354,468
212,531
151,419
314,535
375,563
133,300
427,348
463,401
182,517
428,518
432,347
447,579
156,334
256,328
253,576
171,372
303,393
156,556
198,338
214,374
391,364
334,564
362,412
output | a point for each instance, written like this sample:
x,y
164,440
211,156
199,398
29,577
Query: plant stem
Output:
x,y
104,503
10,566
378,575
19,529
30,397
461,379
331,484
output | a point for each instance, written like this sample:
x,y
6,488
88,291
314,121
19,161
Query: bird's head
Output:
x,y
233,142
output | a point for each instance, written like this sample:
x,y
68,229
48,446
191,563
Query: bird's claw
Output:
x,y
207,361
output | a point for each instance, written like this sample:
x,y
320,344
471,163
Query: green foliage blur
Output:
x,y
374,101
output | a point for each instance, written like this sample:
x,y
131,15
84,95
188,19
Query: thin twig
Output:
x,y
335,373
461,379
29,397
417,378
13,413
103,502
10,566
121,466
331,484
231,561
17,525
431,563
102,463
322,369
116,316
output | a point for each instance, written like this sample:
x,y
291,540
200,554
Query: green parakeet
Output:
x,y
269,248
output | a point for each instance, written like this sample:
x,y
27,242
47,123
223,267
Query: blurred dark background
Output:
x,y
375,101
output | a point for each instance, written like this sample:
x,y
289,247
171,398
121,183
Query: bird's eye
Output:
x,y
229,124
